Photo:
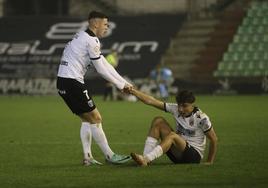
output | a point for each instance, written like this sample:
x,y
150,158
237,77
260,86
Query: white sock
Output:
x,y
101,140
85,135
157,152
150,144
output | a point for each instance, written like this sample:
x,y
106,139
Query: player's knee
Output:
x,y
91,117
172,135
97,118
158,122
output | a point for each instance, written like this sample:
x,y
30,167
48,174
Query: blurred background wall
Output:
x,y
211,46
119,7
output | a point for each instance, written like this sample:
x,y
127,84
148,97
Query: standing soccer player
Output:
x,y
186,144
81,52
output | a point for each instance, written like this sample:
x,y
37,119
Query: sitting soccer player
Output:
x,y
187,143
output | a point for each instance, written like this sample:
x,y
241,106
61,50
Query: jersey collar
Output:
x,y
90,33
193,112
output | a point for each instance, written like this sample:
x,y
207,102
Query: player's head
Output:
x,y
185,100
98,23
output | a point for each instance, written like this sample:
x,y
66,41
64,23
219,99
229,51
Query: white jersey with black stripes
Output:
x,y
192,128
78,54
84,50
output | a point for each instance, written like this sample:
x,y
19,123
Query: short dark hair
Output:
x,y
95,14
185,96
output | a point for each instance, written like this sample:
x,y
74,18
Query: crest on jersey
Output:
x,y
191,121
204,122
90,103
97,49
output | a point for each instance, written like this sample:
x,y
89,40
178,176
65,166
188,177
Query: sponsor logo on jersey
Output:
x,y
204,121
62,92
65,63
183,131
191,121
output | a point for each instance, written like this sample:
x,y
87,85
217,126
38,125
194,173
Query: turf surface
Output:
x,y
40,145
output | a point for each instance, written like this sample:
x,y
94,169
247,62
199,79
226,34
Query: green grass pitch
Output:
x,y
40,145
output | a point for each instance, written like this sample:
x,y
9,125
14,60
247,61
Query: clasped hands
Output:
x,y
128,89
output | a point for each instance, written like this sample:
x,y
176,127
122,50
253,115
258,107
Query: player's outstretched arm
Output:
x,y
102,70
211,135
113,72
147,99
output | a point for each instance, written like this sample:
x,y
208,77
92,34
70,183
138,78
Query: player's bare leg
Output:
x,y
167,142
175,139
159,130
91,117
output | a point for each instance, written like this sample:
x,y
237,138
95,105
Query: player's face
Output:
x,y
185,109
102,27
